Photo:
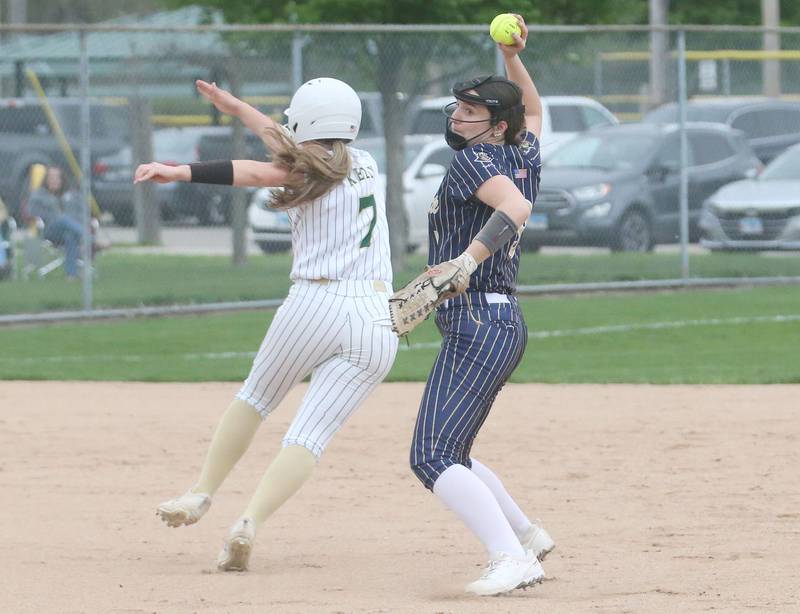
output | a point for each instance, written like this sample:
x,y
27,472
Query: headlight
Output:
x,y
598,210
591,192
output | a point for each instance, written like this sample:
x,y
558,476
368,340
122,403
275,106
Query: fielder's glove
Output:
x,y
414,302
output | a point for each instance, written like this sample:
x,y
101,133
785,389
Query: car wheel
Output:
x,y
124,216
633,233
268,247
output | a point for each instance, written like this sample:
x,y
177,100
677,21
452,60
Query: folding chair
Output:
x,y
40,256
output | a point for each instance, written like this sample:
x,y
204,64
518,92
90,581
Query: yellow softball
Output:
x,y
502,27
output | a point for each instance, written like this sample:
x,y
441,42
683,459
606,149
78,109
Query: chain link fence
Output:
x,y
610,203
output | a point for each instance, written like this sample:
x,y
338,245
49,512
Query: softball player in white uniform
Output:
x,y
334,324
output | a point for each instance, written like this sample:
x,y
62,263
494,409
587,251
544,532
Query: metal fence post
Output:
x,y
238,202
86,173
145,204
684,179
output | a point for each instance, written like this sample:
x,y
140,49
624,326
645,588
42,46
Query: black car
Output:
x,y
216,199
112,175
769,124
619,186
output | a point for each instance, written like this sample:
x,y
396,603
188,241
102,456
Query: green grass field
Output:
x,y
702,337
124,279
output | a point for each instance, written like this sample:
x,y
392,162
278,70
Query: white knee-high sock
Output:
x,y
234,433
472,501
515,516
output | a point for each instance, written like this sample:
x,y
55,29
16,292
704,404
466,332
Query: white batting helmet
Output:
x,y
324,108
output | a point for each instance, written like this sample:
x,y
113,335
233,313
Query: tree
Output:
x,y
394,61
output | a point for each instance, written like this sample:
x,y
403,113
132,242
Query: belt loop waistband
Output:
x,y
377,285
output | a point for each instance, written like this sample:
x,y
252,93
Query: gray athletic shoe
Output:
x,y
184,510
538,540
235,555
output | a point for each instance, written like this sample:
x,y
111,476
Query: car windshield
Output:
x,y
429,121
105,121
378,151
606,151
668,114
785,166
177,144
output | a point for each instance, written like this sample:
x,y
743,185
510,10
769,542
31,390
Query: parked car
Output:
x,y
211,204
562,118
618,186
427,159
757,214
112,176
769,124
26,139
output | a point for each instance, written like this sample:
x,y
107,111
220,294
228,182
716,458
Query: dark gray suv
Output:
x,y
770,125
26,138
619,186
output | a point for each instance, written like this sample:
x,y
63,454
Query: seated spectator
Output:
x,y
59,208
6,245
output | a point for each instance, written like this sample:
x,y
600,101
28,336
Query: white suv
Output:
x,y
562,118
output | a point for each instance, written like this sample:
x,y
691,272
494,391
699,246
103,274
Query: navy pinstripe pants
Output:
x,y
474,363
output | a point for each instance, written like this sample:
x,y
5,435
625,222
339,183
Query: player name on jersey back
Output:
x,y
344,234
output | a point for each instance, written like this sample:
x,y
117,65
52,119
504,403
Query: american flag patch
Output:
x,y
521,173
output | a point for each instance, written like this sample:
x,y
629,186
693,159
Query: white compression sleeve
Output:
x,y
515,516
472,501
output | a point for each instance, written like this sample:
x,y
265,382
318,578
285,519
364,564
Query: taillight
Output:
x,y
100,168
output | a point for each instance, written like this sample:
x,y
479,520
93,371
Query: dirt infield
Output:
x,y
662,499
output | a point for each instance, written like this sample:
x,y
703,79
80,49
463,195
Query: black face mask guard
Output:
x,y
456,141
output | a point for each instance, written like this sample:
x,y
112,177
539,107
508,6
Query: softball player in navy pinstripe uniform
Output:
x,y
477,217
334,325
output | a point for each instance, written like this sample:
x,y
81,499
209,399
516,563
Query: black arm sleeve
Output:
x,y
219,172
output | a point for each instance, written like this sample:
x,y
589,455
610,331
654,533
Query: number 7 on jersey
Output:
x,y
366,203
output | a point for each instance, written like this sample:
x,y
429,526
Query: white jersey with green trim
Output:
x,y
344,234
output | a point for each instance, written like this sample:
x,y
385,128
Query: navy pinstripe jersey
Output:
x,y
456,214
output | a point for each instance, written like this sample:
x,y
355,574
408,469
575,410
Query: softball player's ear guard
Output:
x,y
324,108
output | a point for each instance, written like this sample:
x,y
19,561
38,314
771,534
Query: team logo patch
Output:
x,y
434,205
525,147
483,157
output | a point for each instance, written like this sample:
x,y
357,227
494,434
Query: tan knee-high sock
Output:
x,y
234,433
285,475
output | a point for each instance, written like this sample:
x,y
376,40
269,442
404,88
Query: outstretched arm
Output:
x,y
516,72
226,102
246,173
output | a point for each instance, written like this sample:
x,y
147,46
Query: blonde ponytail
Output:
x,y
313,169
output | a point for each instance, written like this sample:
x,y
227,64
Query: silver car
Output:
x,y
757,214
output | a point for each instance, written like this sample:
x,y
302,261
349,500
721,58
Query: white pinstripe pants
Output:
x,y
339,333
